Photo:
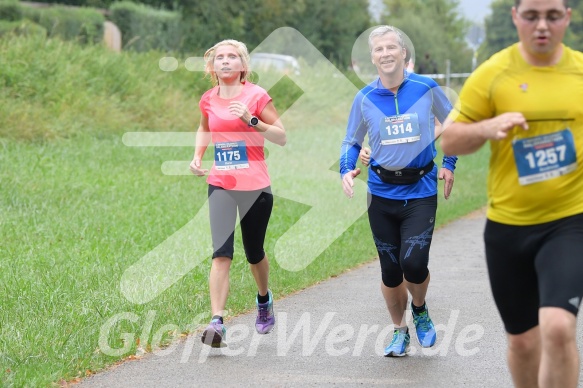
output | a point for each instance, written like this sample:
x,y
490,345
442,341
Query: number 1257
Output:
x,y
542,158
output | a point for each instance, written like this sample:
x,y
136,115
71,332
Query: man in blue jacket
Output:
x,y
397,111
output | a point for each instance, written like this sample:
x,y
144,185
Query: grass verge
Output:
x,y
78,207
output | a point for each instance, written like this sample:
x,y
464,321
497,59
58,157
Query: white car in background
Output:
x,y
285,64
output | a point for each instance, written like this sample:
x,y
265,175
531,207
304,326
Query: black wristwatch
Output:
x,y
253,121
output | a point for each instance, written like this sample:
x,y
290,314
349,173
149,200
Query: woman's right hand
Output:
x,y
196,168
364,155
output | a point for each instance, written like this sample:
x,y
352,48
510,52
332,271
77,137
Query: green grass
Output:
x,y
50,88
78,207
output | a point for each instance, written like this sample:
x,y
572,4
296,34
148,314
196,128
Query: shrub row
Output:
x,y
81,24
143,28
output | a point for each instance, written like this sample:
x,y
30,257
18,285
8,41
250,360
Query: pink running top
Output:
x,y
239,159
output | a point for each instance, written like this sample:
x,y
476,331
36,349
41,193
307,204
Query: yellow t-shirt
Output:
x,y
535,176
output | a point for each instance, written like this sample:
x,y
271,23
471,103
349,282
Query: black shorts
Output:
x,y
402,231
534,266
254,212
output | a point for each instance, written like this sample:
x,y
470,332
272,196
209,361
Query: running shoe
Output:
x,y
265,317
214,335
424,328
399,345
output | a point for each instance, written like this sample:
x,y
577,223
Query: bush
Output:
x,y
10,11
22,27
84,25
144,28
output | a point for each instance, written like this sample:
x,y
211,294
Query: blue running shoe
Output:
x,y
265,317
424,328
214,335
399,345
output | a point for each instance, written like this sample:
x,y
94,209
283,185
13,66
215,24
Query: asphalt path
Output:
x,y
334,333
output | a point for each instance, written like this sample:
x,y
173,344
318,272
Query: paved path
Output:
x,y
333,334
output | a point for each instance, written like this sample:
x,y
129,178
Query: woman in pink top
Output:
x,y
237,116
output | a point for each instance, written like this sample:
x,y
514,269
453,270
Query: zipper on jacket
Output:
x,y
396,103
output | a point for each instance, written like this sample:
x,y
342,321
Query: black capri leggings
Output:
x,y
402,232
254,211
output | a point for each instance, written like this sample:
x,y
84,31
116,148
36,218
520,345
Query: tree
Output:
x,y
333,26
436,29
207,22
500,31
574,37
265,16
105,4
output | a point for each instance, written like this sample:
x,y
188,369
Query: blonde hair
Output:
x,y
209,58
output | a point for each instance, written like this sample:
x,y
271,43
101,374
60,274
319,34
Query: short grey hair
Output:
x,y
383,30
517,3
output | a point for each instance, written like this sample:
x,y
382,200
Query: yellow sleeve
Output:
x,y
475,102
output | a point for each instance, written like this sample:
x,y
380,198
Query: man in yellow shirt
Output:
x,y
527,101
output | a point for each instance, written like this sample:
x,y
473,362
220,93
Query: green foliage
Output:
x,y
272,15
284,94
574,36
144,28
333,26
22,27
10,10
194,26
208,22
51,89
105,4
435,28
443,11
500,31
81,24
84,25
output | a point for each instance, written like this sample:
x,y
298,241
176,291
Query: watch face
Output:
x,y
254,121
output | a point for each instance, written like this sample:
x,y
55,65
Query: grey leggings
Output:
x,y
254,211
